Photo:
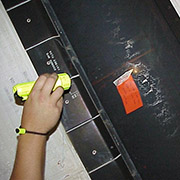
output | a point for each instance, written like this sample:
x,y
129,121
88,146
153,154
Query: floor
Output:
x,y
62,160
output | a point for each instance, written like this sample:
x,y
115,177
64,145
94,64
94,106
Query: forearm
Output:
x,y
40,114
30,158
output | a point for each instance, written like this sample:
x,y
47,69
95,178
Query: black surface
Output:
x,y
111,37
116,170
93,149
9,3
78,107
51,57
32,23
170,16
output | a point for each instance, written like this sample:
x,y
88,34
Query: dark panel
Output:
x,y
51,57
32,23
93,149
112,37
116,170
170,15
9,3
78,106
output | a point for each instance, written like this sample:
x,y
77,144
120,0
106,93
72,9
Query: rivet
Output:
x,y
94,152
28,20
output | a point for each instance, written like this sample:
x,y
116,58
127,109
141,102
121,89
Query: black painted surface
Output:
x,y
91,146
32,23
78,107
9,3
116,170
51,57
111,37
170,15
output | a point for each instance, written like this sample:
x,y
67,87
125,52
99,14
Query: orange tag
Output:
x,y
129,92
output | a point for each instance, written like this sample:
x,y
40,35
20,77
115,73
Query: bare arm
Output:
x,y
40,114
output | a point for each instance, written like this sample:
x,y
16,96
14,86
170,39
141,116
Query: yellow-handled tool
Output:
x,y
23,90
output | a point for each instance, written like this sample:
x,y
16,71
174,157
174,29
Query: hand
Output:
x,y
43,107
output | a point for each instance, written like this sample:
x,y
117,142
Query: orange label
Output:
x,y
130,95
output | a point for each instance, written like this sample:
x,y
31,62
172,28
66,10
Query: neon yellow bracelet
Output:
x,y
21,130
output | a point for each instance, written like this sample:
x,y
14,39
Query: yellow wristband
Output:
x,y
21,130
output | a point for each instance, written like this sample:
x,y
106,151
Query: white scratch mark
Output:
x,y
116,32
144,81
175,132
149,86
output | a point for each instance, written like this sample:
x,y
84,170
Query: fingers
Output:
x,y
49,84
60,103
57,94
40,82
45,84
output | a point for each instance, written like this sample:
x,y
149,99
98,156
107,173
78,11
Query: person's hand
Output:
x,y
43,107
